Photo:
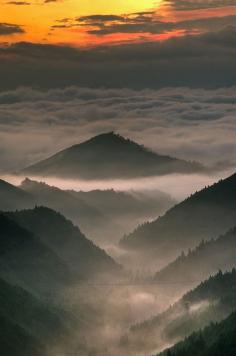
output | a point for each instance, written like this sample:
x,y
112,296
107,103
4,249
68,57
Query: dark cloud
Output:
x,y
18,3
197,61
145,22
152,26
7,29
100,18
101,22
188,5
50,1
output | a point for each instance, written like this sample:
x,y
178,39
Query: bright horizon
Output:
x,y
68,22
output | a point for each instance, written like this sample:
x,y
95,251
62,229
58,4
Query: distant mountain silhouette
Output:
x,y
109,156
211,301
112,213
73,207
204,215
118,204
12,198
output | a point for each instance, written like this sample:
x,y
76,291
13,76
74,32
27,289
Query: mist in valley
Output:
x,y
106,311
179,186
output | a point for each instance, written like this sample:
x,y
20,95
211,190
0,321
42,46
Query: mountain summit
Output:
x,y
109,156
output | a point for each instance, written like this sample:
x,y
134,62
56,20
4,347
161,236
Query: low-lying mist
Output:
x,y
179,186
108,234
105,312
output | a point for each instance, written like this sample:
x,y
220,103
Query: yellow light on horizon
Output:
x,y
37,19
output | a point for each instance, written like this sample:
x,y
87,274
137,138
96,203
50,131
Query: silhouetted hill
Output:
x,y
12,198
123,210
112,213
212,301
118,204
206,259
217,339
204,215
25,261
73,207
108,156
60,235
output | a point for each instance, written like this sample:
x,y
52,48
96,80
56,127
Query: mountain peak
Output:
x,y
104,135
110,156
107,138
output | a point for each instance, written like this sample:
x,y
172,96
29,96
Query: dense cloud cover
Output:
x,y
186,5
206,60
189,123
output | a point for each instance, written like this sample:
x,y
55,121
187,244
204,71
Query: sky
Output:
x,y
160,72
99,22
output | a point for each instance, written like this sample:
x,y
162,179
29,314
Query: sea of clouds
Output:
x,y
194,124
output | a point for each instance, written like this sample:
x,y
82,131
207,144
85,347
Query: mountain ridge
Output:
x,y
206,259
12,197
203,215
66,240
109,156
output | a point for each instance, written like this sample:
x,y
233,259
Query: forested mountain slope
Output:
x,y
212,300
67,241
204,215
206,259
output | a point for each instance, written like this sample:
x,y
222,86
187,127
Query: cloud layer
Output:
x,y
188,5
197,61
194,124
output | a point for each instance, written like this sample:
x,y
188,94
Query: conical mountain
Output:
x,y
109,156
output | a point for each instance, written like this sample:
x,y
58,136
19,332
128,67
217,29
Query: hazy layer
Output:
x,y
193,124
179,186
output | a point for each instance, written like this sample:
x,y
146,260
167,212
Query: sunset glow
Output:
x,y
38,17
69,22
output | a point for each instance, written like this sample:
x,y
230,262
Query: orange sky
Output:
x,y
37,19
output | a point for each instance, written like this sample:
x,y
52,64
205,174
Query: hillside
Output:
x,y
12,198
210,301
38,324
204,215
14,340
109,156
67,241
217,339
206,259
26,261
